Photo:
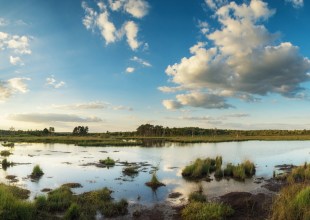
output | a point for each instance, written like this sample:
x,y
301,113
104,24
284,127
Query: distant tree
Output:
x,y
45,131
80,130
51,130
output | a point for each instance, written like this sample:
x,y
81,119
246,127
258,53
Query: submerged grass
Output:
x,y
5,153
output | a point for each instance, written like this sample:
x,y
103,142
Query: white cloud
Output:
x,y
167,89
141,61
171,104
16,60
136,8
244,61
20,44
131,31
130,70
51,81
102,21
296,3
52,117
12,86
214,4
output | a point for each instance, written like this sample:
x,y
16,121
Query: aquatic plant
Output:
x,y
249,168
5,164
108,162
154,183
206,211
37,172
8,144
198,169
131,170
239,172
228,171
5,153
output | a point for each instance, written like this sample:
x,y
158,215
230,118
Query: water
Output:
x,y
64,163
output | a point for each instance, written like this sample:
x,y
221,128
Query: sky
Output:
x,y
113,65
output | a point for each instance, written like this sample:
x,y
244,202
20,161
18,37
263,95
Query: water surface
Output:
x,y
63,163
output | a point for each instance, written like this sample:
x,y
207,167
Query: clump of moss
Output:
x,y
36,172
206,211
154,183
5,153
108,162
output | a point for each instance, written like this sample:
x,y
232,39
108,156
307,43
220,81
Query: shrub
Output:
x,y
36,172
206,211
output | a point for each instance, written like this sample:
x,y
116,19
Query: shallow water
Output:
x,y
63,163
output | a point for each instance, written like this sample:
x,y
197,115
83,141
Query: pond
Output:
x,y
63,163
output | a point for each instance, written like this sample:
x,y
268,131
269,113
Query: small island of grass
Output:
x,y
108,162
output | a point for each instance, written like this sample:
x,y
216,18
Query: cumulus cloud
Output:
x,y
214,4
243,62
296,3
101,20
15,44
51,81
52,117
130,70
171,104
16,60
12,86
136,8
141,61
131,31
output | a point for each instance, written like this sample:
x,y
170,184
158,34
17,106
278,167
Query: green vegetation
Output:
x,y
5,164
107,162
206,211
37,172
5,153
154,183
59,202
8,144
131,170
12,207
80,130
201,168
293,202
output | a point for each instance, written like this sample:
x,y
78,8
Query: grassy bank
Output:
x,y
60,203
102,140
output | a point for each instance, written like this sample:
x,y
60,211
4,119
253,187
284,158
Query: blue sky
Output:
x,y
115,64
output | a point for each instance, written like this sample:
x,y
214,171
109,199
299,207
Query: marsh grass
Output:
x,y
36,172
59,199
206,211
198,169
8,144
131,170
13,207
5,153
5,164
108,162
293,202
154,183
299,174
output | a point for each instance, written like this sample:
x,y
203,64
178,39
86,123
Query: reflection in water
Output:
x,y
64,163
